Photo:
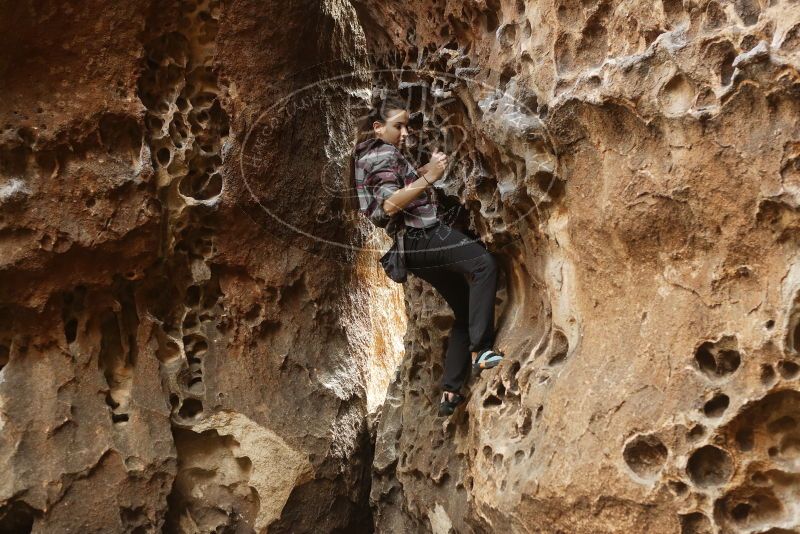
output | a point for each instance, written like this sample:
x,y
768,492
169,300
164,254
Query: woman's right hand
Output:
x,y
436,166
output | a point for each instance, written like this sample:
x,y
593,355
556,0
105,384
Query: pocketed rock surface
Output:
x,y
635,168
172,359
189,344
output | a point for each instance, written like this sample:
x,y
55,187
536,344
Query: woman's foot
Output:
x,y
486,360
450,399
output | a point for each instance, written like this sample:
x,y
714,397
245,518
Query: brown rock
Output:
x,y
625,163
171,358
191,342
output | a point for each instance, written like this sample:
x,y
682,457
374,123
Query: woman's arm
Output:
x,y
402,197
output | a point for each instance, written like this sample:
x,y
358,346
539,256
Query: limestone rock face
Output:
x,y
171,358
634,168
195,335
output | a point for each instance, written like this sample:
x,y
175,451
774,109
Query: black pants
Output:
x,y
465,274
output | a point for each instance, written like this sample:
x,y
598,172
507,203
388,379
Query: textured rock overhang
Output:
x,y
175,357
634,167
171,359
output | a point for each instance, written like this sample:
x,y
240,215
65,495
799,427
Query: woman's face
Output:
x,y
395,129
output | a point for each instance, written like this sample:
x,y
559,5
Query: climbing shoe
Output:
x,y
487,360
448,406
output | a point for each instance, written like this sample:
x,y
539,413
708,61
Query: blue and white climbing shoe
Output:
x,y
487,360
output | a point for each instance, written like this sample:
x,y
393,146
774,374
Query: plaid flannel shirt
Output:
x,y
380,171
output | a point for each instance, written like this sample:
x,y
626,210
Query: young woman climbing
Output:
x,y
395,196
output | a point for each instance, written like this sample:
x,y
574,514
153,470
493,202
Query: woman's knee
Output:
x,y
486,264
482,267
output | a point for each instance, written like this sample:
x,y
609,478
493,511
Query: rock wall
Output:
x,y
634,167
190,342
172,359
